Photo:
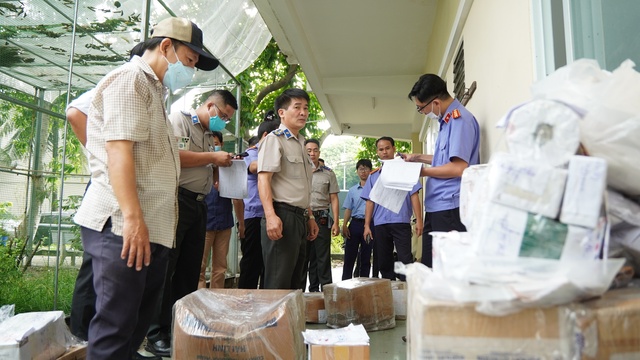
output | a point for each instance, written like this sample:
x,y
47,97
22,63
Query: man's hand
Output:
x,y
313,230
367,235
241,230
221,158
135,243
345,231
274,227
335,229
419,228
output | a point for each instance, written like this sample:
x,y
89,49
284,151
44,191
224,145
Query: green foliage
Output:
x,y
368,150
337,242
34,290
268,68
341,156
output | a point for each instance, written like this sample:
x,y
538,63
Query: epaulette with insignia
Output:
x,y
447,118
326,168
456,113
278,132
194,118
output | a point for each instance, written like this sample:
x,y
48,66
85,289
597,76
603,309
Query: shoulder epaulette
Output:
x,y
278,132
456,113
374,170
326,168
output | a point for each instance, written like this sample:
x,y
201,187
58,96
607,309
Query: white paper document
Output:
x,y
350,335
399,174
391,199
232,182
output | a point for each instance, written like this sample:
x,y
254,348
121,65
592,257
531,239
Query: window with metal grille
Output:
x,y
458,73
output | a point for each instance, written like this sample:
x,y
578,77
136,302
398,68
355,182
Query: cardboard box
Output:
x,y
239,324
353,352
399,291
77,352
314,311
363,301
33,335
610,327
442,330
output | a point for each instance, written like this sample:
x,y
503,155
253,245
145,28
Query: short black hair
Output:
x,y
284,100
271,122
217,134
315,141
388,138
321,159
139,49
364,162
253,140
429,87
226,96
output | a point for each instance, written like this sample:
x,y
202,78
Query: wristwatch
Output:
x,y
311,217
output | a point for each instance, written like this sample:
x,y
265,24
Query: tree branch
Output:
x,y
276,85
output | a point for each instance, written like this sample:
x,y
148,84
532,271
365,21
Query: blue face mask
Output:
x,y
177,75
216,123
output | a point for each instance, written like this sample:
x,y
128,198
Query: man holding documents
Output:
x,y
457,147
391,227
197,156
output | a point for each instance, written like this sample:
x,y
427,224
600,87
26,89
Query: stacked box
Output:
x,y
399,291
609,328
314,311
76,352
33,335
446,330
363,301
338,352
239,324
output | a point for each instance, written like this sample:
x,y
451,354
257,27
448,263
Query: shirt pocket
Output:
x,y
444,153
295,166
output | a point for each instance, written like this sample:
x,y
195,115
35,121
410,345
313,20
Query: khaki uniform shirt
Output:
x,y
129,105
284,155
192,136
323,184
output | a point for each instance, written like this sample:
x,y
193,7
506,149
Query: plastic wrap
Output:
x,y
35,336
399,291
239,324
543,131
527,185
347,343
449,330
363,301
472,193
314,311
6,311
609,327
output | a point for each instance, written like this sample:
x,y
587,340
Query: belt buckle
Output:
x,y
200,197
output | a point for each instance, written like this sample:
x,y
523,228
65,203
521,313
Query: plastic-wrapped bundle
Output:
x,y
360,301
239,324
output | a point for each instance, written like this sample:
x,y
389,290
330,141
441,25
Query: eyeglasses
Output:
x,y
420,108
363,169
222,115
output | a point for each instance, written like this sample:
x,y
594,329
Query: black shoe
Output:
x,y
138,356
159,347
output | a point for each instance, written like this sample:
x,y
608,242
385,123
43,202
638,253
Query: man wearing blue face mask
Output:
x,y
193,130
128,214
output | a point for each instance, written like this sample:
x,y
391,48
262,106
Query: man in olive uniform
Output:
x,y
324,194
284,185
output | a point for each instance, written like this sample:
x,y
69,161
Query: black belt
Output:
x,y
295,209
190,194
321,213
357,219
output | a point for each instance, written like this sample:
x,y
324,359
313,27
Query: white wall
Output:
x,y
498,55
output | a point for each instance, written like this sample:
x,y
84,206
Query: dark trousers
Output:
x,y
318,259
183,270
125,298
83,302
251,265
356,248
446,220
283,258
388,235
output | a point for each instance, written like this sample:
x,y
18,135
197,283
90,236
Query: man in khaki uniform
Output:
x,y
284,183
193,131
324,194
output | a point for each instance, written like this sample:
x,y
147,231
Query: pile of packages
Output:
x,y
544,223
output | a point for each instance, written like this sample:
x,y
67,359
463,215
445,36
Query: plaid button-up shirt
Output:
x,y
128,105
